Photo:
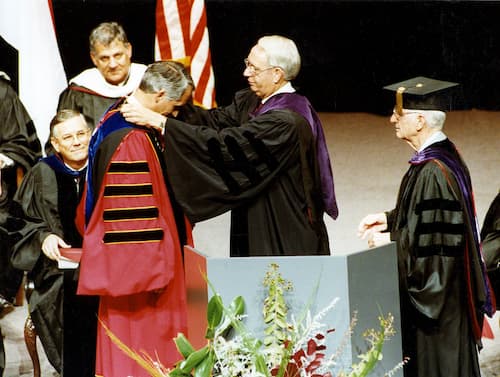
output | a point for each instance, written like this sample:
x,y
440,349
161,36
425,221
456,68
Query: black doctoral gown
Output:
x,y
91,104
19,142
65,323
433,233
263,168
91,95
490,236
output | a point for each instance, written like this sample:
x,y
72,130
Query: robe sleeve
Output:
x,y
218,118
75,100
435,240
490,235
18,139
213,170
36,200
91,105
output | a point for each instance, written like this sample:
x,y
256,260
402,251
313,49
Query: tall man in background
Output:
x,y
444,289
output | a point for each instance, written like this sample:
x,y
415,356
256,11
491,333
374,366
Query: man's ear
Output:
x,y
278,75
94,60
420,122
54,143
160,96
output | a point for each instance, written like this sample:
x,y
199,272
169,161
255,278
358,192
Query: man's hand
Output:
x,y
134,112
376,239
51,244
371,228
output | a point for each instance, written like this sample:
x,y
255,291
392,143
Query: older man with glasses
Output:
x,y
444,289
263,157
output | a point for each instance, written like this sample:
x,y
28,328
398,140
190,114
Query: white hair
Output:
x,y
283,53
434,118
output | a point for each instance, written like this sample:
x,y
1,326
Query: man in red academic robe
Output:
x,y
134,232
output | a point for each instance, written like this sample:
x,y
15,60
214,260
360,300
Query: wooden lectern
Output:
x,y
365,282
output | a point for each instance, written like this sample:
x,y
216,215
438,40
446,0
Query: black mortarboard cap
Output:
x,y
423,93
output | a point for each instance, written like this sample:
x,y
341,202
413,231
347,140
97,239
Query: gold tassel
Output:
x,y
399,100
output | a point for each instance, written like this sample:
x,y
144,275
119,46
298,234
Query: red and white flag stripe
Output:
x,y
182,34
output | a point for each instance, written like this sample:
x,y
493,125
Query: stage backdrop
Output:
x,y
350,49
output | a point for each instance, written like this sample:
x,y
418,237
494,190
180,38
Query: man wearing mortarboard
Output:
x,y
444,290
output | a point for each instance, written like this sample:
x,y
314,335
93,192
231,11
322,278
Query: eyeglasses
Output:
x,y
68,138
406,112
254,71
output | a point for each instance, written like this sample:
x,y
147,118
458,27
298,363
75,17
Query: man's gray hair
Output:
x,y
283,53
62,116
169,76
105,34
435,119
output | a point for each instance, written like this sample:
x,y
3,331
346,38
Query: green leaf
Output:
x,y
281,311
231,313
178,373
185,348
260,365
269,340
193,360
214,311
204,369
269,330
237,306
210,333
281,323
271,317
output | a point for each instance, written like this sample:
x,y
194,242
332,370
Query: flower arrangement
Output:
x,y
291,347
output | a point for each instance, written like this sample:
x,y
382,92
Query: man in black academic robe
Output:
x,y
94,90
19,150
444,290
43,221
263,157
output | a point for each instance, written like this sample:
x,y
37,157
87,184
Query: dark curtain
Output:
x,y
350,49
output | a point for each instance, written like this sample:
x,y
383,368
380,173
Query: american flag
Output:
x,y
182,34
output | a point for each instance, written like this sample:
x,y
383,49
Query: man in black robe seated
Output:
x,y
264,157
42,222
19,150
94,90
444,289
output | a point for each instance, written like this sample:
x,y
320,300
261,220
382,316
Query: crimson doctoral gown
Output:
x,y
132,250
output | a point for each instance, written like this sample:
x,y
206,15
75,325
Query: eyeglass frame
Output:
x,y
407,112
69,138
254,71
